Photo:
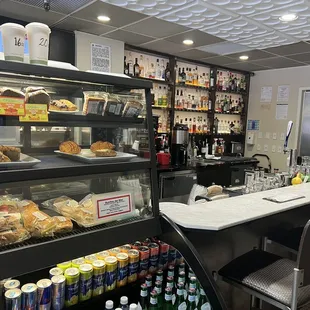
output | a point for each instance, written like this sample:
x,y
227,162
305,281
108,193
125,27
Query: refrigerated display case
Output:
x,y
81,168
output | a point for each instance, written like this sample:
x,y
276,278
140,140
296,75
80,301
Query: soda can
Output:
x,y
102,255
64,265
163,255
72,276
111,273
30,296
86,282
154,256
98,277
133,265
11,284
146,242
2,285
125,248
122,269
13,299
56,271
144,261
114,251
59,287
136,245
44,294
76,263
89,259
172,258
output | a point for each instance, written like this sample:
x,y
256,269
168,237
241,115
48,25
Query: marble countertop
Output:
x,y
225,213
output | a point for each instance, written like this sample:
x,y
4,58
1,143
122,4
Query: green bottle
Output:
x,y
170,282
168,299
193,283
158,290
181,277
191,299
148,282
203,303
179,301
181,267
171,271
144,297
153,301
159,275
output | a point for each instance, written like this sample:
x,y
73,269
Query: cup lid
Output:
x,y
38,25
12,25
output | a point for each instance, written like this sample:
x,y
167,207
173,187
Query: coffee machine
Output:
x,y
180,138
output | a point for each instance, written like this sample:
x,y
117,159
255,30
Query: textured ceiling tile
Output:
x,y
165,46
278,62
296,48
194,54
129,37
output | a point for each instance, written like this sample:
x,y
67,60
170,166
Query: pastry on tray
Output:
x,y
69,147
105,153
10,92
100,145
37,95
12,152
4,159
62,105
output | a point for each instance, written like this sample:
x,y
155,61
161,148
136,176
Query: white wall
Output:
x,y
83,51
298,79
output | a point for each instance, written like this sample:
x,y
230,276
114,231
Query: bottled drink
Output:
x,y
158,71
141,64
212,78
163,72
181,278
124,303
160,275
179,76
136,69
179,297
191,299
133,307
158,290
153,301
203,303
171,271
148,283
125,66
193,283
183,77
170,282
144,297
109,305
130,65
168,299
181,267
167,73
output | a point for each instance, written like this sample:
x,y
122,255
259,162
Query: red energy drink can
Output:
x,y
154,256
144,261
136,245
146,242
163,255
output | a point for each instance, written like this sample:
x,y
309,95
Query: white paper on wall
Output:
x,y
100,58
283,93
266,94
281,111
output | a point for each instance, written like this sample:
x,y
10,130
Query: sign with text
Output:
x,y
35,113
11,106
112,206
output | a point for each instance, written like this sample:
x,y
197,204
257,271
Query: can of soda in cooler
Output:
x,y
146,242
133,265
102,255
111,273
114,251
154,256
172,258
13,299
125,248
163,255
122,269
44,294
98,277
86,282
144,261
89,259
30,296
76,263
64,265
72,276
136,245
55,272
11,284
59,287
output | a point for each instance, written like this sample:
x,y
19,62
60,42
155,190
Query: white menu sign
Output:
x,y
283,93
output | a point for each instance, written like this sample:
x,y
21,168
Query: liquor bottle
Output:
x,y
164,97
158,74
225,83
125,66
182,101
124,303
191,299
136,69
183,74
194,125
153,301
163,72
144,297
168,299
201,81
179,301
153,71
158,290
109,305
195,77
190,77
203,303
207,81
187,76
190,126
130,65
212,78
220,81
167,73
205,126
179,76
141,64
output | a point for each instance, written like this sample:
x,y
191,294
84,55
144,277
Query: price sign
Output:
x,y
111,206
35,113
12,106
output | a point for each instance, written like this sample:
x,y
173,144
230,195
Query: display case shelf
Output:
x,y
155,107
154,80
231,92
191,110
192,87
41,253
229,113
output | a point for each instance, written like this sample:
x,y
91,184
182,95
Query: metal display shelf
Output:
x,y
35,254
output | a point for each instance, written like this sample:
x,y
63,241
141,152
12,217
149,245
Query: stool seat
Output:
x,y
290,238
267,274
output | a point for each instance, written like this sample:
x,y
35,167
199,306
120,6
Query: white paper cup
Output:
x,y
38,40
13,39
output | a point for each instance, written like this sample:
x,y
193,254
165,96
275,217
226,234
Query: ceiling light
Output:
x,y
103,18
288,17
244,57
188,42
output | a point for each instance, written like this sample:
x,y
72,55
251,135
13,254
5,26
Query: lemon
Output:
x,y
297,180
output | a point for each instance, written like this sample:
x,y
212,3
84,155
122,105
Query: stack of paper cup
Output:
x,y
13,38
38,38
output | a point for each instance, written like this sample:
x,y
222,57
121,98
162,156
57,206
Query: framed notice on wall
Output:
x,y
100,58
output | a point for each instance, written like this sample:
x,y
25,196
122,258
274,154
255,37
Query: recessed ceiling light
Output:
x,y
103,18
188,42
244,57
288,17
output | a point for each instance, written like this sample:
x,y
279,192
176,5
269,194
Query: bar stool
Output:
x,y
271,278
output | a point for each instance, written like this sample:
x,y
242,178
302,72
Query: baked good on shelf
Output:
x,y
10,221
4,158
38,96
100,145
94,103
105,153
133,108
63,224
69,147
13,236
10,92
12,152
62,105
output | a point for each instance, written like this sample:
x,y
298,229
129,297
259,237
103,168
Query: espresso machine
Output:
x,y
180,139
